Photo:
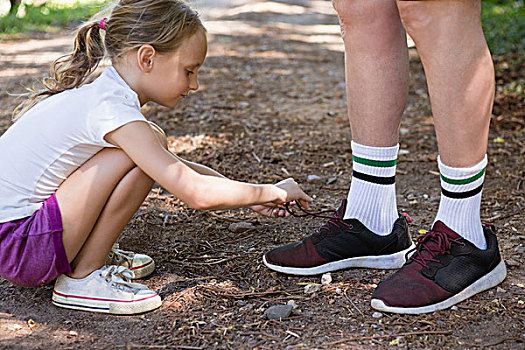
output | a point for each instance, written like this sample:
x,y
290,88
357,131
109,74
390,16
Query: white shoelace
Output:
x,y
120,276
118,255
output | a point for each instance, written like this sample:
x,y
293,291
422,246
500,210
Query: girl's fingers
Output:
x,y
304,204
307,198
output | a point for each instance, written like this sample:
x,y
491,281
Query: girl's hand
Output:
x,y
271,210
294,193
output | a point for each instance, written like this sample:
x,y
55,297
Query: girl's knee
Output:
x,y
114,156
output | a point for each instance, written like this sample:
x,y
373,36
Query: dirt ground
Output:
x,y
272,105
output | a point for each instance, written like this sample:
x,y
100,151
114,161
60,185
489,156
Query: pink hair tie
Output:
x,y
102,23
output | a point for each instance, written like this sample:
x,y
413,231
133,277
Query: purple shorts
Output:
x,y
31,250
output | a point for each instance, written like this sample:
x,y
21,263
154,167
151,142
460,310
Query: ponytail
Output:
x,y
163,24
72,70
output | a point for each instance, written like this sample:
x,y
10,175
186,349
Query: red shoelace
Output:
x,y
317,214
434,243
333,219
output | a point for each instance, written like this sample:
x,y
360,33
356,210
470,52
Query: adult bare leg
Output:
x,y
460,77
459,72
376,63
376,66
368,231
459,257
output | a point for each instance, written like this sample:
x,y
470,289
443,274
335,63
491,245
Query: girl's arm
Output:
x,y
201,169
266,209
198,191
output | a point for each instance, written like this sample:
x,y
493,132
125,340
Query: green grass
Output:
x,y
504,26
51,17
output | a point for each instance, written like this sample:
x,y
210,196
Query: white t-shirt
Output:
x,y
54,138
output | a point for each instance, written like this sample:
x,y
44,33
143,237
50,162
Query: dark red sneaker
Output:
x,y
444,270
342,244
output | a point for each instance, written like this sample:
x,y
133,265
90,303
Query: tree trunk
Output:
x,y
14,6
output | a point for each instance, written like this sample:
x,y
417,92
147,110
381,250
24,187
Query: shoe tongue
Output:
x,y
342,209
433,244
441,227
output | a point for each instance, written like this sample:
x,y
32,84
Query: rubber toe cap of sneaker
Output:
x,y
409,288
296,254
142,265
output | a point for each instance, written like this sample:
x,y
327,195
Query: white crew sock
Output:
x,y
372,195
461,200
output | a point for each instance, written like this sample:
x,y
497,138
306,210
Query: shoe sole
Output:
x,y
143,270
392,261
491,279
116,307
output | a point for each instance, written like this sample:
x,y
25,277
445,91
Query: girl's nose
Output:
x,y
194,83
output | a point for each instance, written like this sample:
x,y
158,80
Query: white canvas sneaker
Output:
x,y
141,264
108,290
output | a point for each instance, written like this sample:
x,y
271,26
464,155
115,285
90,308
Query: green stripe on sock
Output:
x,y
463,181
376,163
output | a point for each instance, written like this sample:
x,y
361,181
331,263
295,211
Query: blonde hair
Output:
x,y
163,24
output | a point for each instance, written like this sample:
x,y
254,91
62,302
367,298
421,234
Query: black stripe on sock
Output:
x,y
374,179
458,195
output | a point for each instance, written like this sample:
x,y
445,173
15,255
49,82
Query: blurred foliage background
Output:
x,y
504,26
47,16
503,20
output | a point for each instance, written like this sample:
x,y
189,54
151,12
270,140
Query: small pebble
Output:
x,y
454,308
278,312
292,303
249,94
244,104
73,333
331,180
377,315
500,290
338,291
326,278
312,288
242,226
313,178
246,307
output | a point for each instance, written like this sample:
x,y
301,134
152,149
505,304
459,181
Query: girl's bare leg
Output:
x,y
96,202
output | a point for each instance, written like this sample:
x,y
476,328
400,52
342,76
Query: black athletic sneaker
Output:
x,y
444,270
342,244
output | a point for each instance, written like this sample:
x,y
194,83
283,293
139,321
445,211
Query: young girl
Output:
x,y
78,164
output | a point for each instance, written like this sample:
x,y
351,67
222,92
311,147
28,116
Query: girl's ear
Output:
x,y
145,56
